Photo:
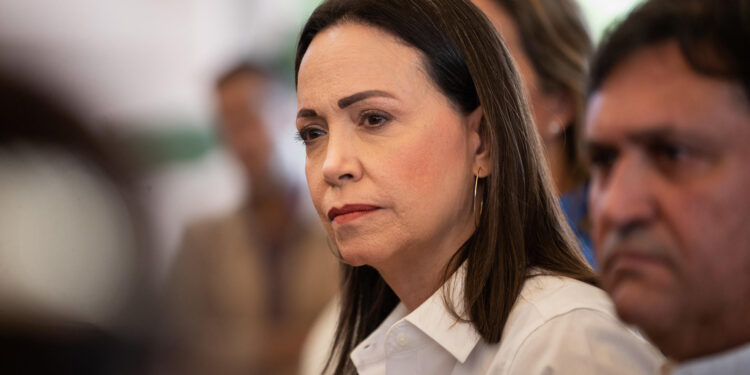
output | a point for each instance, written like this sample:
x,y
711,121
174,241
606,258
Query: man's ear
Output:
x,y
478,135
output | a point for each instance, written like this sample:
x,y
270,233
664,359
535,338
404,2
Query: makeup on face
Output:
x,y
388,157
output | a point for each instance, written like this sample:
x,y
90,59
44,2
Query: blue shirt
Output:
x,y
575,206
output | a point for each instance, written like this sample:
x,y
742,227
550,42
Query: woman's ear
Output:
x,y
479,141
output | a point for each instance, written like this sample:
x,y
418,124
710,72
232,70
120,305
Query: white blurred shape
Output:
x,y
67,243
601,14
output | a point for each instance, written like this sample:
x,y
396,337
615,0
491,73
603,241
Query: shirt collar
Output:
x,y
457,336
367,351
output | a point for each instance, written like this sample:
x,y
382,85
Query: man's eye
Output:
x,y
680,161
668,155
309,134
603,158
669,152
374,118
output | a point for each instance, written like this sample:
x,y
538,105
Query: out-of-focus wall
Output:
x,y
143,70
601,13
166,51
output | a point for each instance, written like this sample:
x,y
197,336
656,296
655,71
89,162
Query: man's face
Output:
x,y
670,200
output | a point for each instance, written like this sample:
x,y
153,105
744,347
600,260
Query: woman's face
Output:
x,y
390,162
551,112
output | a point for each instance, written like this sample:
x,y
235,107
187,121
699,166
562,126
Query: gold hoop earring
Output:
x,y
477,215
334,250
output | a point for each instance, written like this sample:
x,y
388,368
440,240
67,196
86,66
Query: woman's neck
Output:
x,y
414,279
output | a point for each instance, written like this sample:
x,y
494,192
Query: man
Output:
x,y
668,129
246,287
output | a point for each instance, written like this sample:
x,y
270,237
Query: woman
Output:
x,y
425,169
551,46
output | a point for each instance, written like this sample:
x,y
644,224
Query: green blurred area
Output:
x,y
170,144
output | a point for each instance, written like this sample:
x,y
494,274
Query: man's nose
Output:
x,y
624,199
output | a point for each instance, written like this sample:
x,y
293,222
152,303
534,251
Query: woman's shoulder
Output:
x,y
548,295
568,326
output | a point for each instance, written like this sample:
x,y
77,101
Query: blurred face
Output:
x,y
240,102
390,161
550,111
670,202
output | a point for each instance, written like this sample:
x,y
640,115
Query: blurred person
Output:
x,y
73,250
245,287
425,169
550,45
668,130
319,341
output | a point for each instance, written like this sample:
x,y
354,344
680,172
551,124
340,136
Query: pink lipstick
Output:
x,y
349,212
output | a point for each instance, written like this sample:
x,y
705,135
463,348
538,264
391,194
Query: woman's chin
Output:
x,y
355,263
360,255
354,258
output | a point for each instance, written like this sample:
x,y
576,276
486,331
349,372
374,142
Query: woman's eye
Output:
x,y
374,118
309,134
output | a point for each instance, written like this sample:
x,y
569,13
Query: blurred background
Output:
x,y
143,71
141,74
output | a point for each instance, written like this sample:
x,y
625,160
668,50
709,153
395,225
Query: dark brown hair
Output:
x,y
521,226
713,37
555,38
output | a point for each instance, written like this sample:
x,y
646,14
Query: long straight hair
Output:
x,y
521,226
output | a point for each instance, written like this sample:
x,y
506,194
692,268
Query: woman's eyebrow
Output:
x,y
351,99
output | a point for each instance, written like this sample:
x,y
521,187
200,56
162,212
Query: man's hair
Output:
x,y
713,35
241,68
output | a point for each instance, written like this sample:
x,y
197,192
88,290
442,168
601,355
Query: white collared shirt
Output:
x,y
731,362
557,326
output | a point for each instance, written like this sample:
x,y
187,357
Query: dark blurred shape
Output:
x,y
73,286
34,348
30,117
246,287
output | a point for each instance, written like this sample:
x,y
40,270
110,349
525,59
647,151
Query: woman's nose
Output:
x,y
341,164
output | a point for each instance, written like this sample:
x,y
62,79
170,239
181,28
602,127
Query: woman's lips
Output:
x,y
350,212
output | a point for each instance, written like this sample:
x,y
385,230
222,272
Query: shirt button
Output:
x,y
402,340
